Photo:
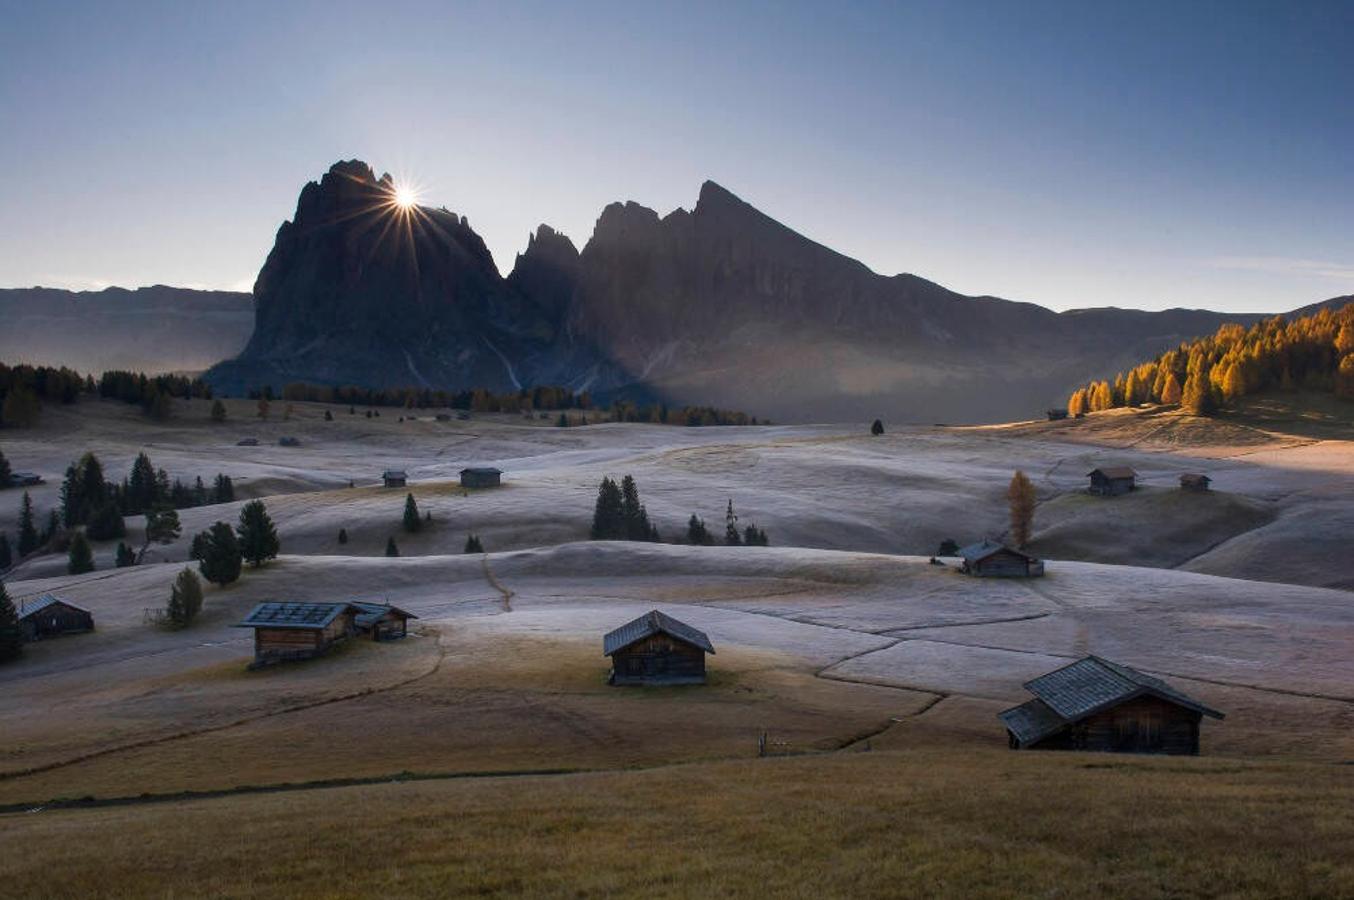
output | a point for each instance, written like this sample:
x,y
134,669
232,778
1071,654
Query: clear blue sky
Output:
x,y
1146,154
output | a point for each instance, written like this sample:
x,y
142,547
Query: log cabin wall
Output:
x,y
658,659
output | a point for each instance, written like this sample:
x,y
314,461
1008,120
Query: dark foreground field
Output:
x,y
921,823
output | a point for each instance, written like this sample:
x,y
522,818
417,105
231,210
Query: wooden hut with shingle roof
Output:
x,y
287,631
1111,481
657,649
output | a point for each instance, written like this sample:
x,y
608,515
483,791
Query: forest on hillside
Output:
x,y
1314,353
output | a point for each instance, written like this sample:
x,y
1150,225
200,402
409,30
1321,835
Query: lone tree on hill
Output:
x,y
1020,495
412,521
81,559
877,428
392,549
11,639
162,527
473,545
258,535
697,533
608,517
218,411
731,527
220,560
185,600
28,532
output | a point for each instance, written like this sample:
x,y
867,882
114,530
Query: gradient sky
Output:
x,y
1146,154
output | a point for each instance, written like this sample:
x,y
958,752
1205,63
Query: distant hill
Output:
x,y
150,329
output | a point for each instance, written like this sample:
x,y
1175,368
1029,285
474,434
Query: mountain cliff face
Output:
x,y
720,305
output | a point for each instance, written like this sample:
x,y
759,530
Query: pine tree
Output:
x,y
158,406
1170,390
221,560
608,517
328,416
218,413
696,532
1198,395
877,428
633,513
391,548
105,522
343,536
162,527
6,474
731,527
948,547
412,522
473,545
125,556
185,600
28,533
6,554
52,529
81,558
755,537
21,408
199,492
11,638
258,536
223,490
1021,498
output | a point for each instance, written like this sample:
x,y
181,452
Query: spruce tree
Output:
x,y
125,557
185,600
28,532
105,522
81,559
6,554
6,474
221,558
948,547
877,428
258,536
391,548
731,536
52,529
696,532
636,518
412,521
223,490
608,517
140,494
343,536
162,527
218,411
1021,498
754,536
473,545
11,638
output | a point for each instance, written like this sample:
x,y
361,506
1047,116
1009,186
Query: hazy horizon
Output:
x,y
1048,153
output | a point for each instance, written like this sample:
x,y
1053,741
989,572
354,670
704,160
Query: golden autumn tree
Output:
x,y
1020,496
1170,389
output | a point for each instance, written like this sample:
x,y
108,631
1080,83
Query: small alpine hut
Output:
x,y
288,441
382,621
1193,481
50,616
25,479
989,559
393,478
1056,413
481,477
286,631
1112,481
657,649
1095,704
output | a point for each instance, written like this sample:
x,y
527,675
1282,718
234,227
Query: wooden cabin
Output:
x,y
49,616
1095,704
24,479
481,477
382,622
288,441
1194,482
287,631
393,478
1112,481
247,442
989,559
656,649
1055,414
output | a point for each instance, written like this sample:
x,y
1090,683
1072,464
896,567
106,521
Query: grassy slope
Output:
x,y
926,823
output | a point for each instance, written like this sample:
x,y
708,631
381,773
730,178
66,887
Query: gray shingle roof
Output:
x,y
651,623
273,614
1032,721
1114,472
482,470
394,473
370,613
27,608
983,549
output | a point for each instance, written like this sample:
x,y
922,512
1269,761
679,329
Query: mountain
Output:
x,y
150,329
720,305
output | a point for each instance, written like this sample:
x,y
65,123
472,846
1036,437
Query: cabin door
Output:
x,y
1139,732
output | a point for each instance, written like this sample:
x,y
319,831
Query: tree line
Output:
x,y
1313,352
620,515
24,389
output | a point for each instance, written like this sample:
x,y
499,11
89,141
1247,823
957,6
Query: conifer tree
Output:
x,y
412,522
754,536
696,532
185,600
877,428
1198,395
125,556
223,489
258,536
221,559
731,536
105,522
1021,498
81,558
608,517
473,545
1170,390
6,554
141,487
218,413
162,527
11,638
343,536
948,547
28,532
53,527
6,474
391,548
633,513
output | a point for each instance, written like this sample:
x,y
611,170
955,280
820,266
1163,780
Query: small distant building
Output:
x,y
657,649
247,442
1193,481
382,622
989,559
481,477
50,616
1112,481
287,631
444,417
394,478
1056,413
288,442
25,479
1095,704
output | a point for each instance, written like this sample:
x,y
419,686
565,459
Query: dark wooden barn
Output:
x,y
1112,481
1056,413
989,559
1194,482
1095,704
657,649
50,616
382,622
24,479
286,631
480,477
393,478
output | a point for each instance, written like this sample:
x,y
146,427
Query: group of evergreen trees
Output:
x,y
478,399
222,551
619,515
1314,352
24,389
11,639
